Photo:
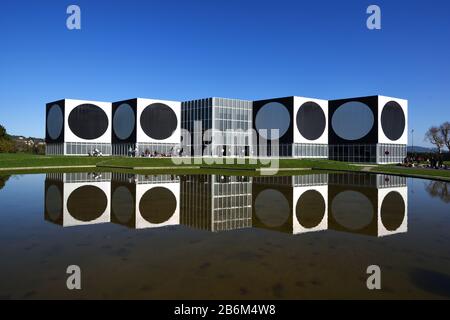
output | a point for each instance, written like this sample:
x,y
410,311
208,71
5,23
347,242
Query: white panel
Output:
x,y
403,228
141,189
297,228
298,138
69,220
174,105
69,136
382,100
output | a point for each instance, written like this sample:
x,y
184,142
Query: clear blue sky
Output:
x,y
247,49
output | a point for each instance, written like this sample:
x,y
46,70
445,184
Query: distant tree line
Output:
x,y
9,145
439,136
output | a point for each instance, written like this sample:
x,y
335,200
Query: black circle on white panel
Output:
x,y
88,121
87,203
393,120
123,121
158,121
310,209
353,120
157,205
311,120
272,208
272,115
392,211
352,210
55,121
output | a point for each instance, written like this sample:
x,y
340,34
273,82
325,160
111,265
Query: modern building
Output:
x,y
146,126
78,127
367,129
218,127
301,124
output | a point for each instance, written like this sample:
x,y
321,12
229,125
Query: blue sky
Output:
x,y
249,49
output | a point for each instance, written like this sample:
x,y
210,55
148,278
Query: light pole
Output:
x,y
412,140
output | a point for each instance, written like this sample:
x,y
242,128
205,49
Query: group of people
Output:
x,y
433,162
150,154
95,153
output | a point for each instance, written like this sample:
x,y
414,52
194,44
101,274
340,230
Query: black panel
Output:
x,y
157,205
87,203
356,219
115,106
158,121
288,102
123,203
311,120
88,121
60,139
370,137
393,120
272,204
53,211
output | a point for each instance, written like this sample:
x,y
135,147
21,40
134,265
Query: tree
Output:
x,y
3,134
434,136
445,133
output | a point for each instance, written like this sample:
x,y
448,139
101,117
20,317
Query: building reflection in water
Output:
x,y
141,201
374,205
73,199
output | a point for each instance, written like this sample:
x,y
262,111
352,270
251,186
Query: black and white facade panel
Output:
x,y
299,125
78,127
146,127
368,129
365,129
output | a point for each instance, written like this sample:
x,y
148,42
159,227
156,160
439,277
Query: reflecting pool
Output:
x,y
223,237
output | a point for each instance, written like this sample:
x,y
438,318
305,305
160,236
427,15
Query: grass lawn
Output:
x,y
30,161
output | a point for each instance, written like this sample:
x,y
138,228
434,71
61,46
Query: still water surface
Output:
x,y
223,237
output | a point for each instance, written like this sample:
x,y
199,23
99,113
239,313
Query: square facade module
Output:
x,y
301,124
78,127
144,127
368,129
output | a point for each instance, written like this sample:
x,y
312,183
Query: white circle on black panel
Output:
x,y
272,208
158,121
311,120
123,121
393,120
352,210
353,120
88,121
157,205
55,121
272,115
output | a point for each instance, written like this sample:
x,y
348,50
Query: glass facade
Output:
x,y
304,150
216,203
229,121
86,148
369,153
